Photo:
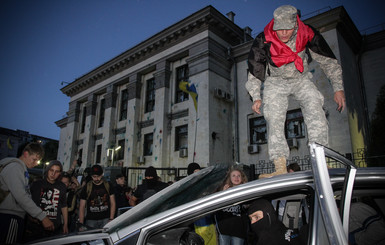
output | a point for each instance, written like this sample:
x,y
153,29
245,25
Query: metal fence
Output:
x,y
359,158
135,175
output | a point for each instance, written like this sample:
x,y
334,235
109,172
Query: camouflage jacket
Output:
x,y
261,65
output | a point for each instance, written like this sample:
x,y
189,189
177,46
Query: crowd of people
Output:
x,y
57,203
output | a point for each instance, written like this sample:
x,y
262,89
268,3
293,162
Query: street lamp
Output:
x,y
111,152
44,166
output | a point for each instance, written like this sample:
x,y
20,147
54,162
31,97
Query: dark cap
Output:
x,y
192,167
96,170
119,176
285,18
151,172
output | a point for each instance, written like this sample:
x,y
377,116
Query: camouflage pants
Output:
x,y
275,104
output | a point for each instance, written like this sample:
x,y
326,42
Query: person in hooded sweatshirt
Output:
x,y
266,226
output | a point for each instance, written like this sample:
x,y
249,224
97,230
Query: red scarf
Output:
x,y
281,54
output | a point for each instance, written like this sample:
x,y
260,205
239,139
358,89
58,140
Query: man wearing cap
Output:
x,y
121,192
98,196
149,187
279,57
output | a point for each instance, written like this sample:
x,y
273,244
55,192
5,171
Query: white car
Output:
x,y
326,194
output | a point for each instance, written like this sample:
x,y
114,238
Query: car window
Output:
x,y
366,224
298,218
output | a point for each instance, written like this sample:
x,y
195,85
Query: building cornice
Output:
x,y
62,123
338,19
206,18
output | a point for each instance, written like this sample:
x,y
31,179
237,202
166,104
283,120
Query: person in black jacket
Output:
x,y
149,187
121,193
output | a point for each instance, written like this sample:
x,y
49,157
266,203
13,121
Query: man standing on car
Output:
x,y
14,180
279,57
50,194
98,196
149,187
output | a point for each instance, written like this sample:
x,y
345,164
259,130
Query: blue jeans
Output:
x,y
97,224
230,240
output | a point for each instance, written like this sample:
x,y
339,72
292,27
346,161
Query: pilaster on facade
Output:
x,y
133,134
134,86
162,75
73,112
110,118
209,55
111,97
162,105
89,153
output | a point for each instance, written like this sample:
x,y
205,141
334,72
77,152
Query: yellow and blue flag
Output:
x,y
191,90
9,144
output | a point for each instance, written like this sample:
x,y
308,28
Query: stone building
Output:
x,y
12,143
131,112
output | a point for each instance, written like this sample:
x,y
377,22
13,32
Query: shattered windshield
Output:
x,y
193,187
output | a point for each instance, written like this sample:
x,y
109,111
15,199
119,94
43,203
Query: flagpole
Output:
x,y
196,128
191,90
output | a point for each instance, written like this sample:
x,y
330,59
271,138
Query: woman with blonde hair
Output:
x,y
232,221
234,177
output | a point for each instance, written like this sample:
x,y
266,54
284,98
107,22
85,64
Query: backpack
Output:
x,y
3,193
89,188
148,193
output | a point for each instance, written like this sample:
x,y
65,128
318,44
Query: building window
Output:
x,y
120,152
150,95
98,153
257,130
295,125
148,144
80,156
101,112
182,74
84,116
123,105
181,137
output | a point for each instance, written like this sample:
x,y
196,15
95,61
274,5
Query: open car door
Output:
x,y
336,224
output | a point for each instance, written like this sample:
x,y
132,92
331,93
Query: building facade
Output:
x,y
131,112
